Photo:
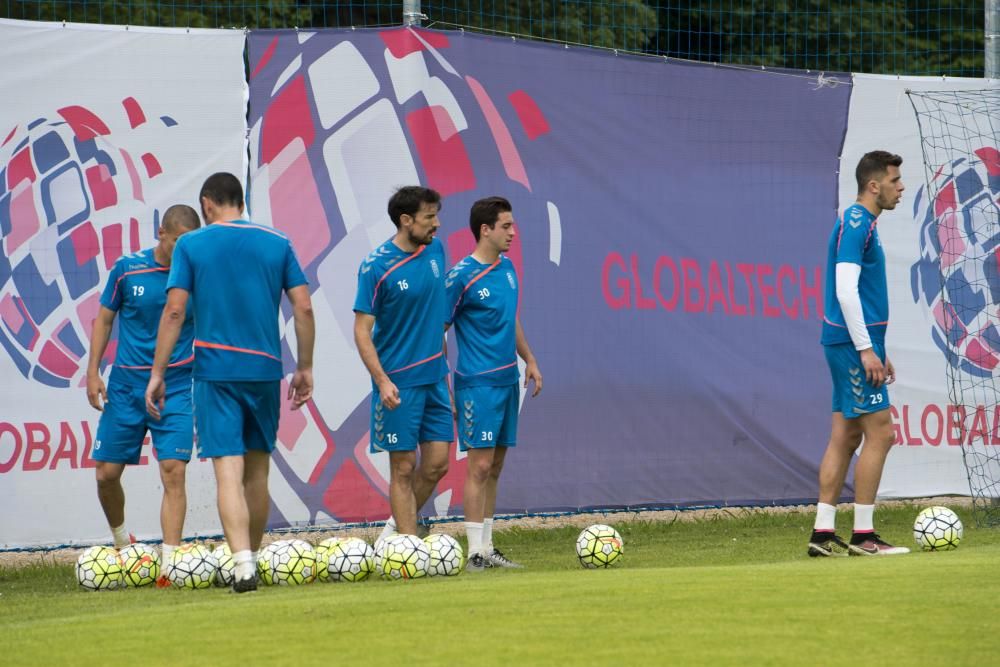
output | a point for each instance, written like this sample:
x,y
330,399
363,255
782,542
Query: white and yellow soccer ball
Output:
x,y
599,546
225,574
140,564
404,557
446,556
265,569
99,569
192,566
293,563
323,551
937,529
351,560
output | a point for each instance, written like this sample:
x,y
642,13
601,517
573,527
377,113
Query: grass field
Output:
x,y
737,591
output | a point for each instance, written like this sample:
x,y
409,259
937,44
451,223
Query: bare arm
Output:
x,y
171,322
531,371
363,325
301,387
97,393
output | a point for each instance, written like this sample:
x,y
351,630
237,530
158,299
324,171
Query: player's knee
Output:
x,y
403,470
479,471
108,474
434,470
172,474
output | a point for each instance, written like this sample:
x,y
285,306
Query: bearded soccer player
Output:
x,y
135,291
857,314
399,332
482,306
235,272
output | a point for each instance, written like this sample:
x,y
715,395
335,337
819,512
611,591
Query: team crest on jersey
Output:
x,y
435,269
510,279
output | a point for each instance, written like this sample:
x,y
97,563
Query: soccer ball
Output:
x,y
323,551
937,529
293,563
192,566
98,569
140,564
379,548
265,570
404,557
225,575
351,560
446,556
599,546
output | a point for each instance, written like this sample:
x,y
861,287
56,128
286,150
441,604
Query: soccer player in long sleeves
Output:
x,y
135,291
235,272
482,305
399,332
856,317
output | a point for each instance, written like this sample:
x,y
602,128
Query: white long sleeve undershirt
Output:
x,y
848,275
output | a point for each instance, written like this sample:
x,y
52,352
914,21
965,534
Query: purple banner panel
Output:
x,y
672,224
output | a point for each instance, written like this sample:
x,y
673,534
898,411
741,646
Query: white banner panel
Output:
x,y
927,459
101,130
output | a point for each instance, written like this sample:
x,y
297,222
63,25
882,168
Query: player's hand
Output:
x,y
300,389
97,393
156,392
874,370
390,394
890,372
531,373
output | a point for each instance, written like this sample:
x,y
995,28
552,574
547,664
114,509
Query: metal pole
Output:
x,y
412,14
992,35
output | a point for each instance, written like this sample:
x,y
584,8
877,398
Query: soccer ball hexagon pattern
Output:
x,y
351,560
225,575
140,564
293,563
323,551
937,529
192,566
98,569
404,557
599,546
446,556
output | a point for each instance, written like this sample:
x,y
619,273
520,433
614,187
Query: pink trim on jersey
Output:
x,y
422,361
249,226
871,230
840,234
114,293
149,368
473,282
867,324
394,267
499,368
230,348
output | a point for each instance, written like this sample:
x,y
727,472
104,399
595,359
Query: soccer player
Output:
x,y
399,317
857,314
235,272
482,300
135,289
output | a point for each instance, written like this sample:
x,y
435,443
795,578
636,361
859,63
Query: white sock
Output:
x,y
121,536
488,535
254,555
864,517
166,556
245,565
474,531
389,529
826,516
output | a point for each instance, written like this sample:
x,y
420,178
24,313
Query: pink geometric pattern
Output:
x,y
445,161
134,240
991,159
10,314
288,117
20,168
87,310
153,168
532,119
56,361
24,220
291,423
979,355
135,115
102,186
85,244
350,497
296,208
85,124
9,136
55,339
945,200
265,58
111,241
509,156
950,238
402,43
133,175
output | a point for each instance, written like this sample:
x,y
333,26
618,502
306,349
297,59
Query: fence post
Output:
x,y
412,14
992,40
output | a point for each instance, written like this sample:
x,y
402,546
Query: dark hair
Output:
x,y
487,212
223,189
873,166
407,201
180,215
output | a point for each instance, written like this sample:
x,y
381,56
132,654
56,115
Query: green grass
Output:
x,y
732,591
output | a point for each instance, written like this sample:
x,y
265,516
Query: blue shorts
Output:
x,y
487,416
125,421
424,415
852,395
234,417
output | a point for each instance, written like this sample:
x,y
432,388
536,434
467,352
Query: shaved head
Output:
x,y
180,217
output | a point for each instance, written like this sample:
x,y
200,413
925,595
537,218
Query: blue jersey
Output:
x,y
854,240
135,291
482,305
235,273
405,293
